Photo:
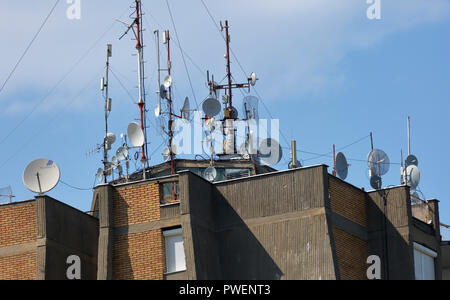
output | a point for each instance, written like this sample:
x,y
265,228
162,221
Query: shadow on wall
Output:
x,y
389,237
122,266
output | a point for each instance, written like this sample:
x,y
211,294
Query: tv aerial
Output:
x,y
341,166
270,152
250,107
41,176
6,193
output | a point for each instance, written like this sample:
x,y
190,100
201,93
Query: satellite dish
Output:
x,y
253,79
291,166
186,109
412,176
111,138
41,175
266,154
341,166
162,91
114,162
99,175
235,113
250,107
136,134
376,182
122,153
210,174
411,160
166,154
168,81
157,110
211,107
378,162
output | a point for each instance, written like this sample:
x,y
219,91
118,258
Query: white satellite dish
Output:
x,y
378,162
122,153
136,134
99,175
166,154
210,174
110,138
412,176
186,110
253,79
211,107
168,81
158,110
270,152
341,166
114,162
41,175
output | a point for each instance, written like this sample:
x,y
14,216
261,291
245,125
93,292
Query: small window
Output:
x,y
170,193
424,262
175,259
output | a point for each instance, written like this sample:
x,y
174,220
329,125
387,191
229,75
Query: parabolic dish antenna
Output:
x,y
136,134
412,176
122,153
234,113
211,107
270,152
341,166
168,81
210,174
253,79
166,154
162,91
111,138
41,175
186,110
411,160
114,162
99,175
378,162
376,182
157,110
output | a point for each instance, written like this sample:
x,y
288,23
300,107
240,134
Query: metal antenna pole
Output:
x,y
230,102
371,141
107,109
334,160
409,136
158,58
294,154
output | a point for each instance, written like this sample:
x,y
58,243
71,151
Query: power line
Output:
x,y
29,46
76,188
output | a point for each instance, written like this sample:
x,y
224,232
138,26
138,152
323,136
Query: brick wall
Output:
x,y
138,255
347,201
352,253
18,225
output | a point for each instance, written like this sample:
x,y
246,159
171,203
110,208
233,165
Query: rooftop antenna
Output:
x,y
158,58
341,166
6,193
41,176
334,160
294,163
105,87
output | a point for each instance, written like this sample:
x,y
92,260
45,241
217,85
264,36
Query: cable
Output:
x,y
122,85
182,55
76,188
29,46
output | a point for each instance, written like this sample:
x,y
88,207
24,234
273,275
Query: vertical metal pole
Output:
x,y
294,154
371,141
409,136
158,58
334,160
105,151
230,106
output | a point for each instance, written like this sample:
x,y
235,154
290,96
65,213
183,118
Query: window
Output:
x,y
170,193
175,259
424,262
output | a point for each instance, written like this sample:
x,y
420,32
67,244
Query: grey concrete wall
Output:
x,y
67,232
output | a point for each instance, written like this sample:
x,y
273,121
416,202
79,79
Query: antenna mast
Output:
x,y
105,85
141,102
409,135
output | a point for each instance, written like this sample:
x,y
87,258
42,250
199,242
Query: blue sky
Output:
x,y
326,71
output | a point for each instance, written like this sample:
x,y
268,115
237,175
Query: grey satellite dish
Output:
x,y
270,152
411,160
114,162
111,138
250,107
136,134
162,91
211,107
341,166
291,166
412,176
168,81
41,175
253,79
378,162
99,175
186,110
376,182
235,113
122,153
210,174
